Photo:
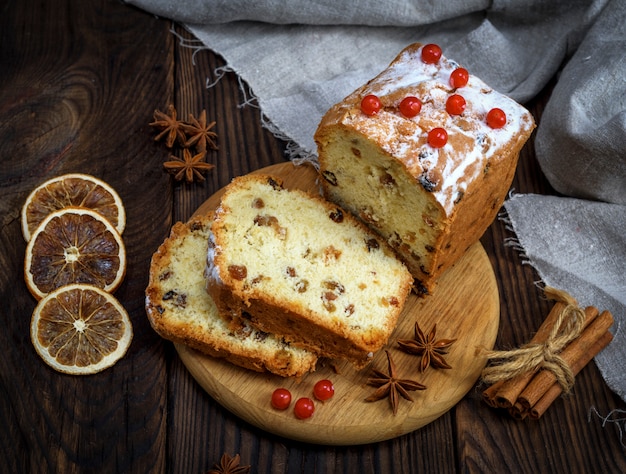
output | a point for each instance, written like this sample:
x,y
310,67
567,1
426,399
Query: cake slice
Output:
x,y
300,267
429,180
180,310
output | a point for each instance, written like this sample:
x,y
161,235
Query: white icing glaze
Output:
x,y
211,271
471,142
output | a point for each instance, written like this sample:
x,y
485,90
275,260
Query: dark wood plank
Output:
x,y
76,86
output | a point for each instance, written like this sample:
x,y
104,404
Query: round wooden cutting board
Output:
x,y
465,306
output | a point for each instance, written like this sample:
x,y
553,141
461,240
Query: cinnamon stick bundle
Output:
x,y
527,387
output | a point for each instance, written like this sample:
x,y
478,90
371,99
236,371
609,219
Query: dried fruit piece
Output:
x,y
238,272
372,244
336,216
301,286
263,220
80,329
74,245
330,177
72,190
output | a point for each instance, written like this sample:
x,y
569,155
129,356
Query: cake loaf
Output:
x,y
300,267
424,154
179,309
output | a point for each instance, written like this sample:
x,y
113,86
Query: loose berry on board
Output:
x,y
370,105
281,399
324,390
304,408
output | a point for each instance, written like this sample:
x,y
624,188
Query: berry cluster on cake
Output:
x,y
424,154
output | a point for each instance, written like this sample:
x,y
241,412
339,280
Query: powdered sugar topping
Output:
x,y
471,142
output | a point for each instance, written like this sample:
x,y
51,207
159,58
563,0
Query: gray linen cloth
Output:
x,y
299,57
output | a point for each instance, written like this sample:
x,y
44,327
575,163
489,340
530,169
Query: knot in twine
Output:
x,y
543,355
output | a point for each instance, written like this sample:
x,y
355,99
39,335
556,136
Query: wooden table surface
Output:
x,y
79,82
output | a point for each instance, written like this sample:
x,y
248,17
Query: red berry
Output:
x,y
459,77
281,399
304,408
431,53
410,106
437,137
455,105
370,105
323,390
496,118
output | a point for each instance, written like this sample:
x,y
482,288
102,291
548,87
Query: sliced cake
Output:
x,y
295,265
180,309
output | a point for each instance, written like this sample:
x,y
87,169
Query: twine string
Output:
x,y
545,355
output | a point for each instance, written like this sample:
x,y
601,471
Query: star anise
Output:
x,y
200,133
229,465
170,126
190,167
431,350
390,385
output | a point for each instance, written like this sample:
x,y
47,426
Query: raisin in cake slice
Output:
x,y
298,266
180,309
430,194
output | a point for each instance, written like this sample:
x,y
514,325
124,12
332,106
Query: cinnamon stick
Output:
x,y
490,393
503,394
517,411
577,354
555,390
507,392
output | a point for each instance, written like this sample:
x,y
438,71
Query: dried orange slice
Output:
x,y
74,245
80,329
72,190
